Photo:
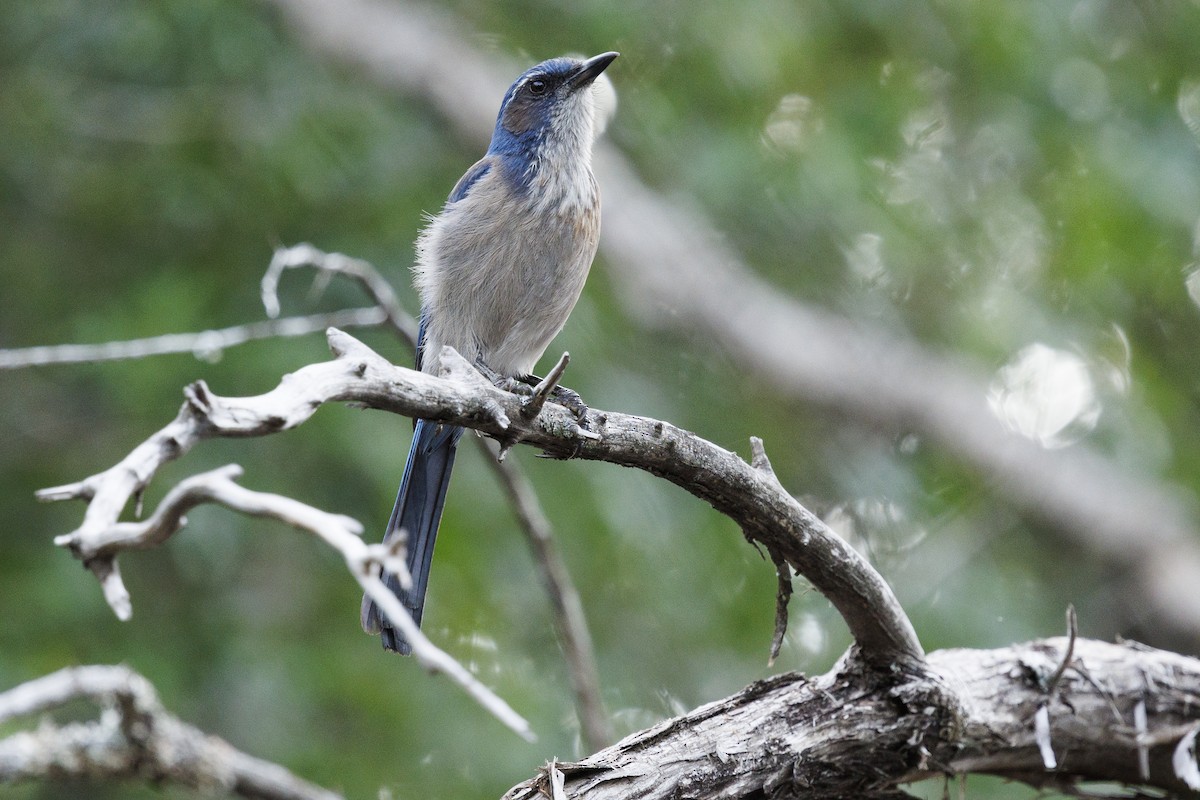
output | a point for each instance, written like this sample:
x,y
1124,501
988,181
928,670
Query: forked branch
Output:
x,y
748,494
99,548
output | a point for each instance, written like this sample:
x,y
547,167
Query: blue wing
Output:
x,y
421,326
480,168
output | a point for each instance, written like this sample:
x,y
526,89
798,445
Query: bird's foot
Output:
x,y
504,382
569,399
537,391
548,388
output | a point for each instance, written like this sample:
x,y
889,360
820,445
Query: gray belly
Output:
x,y
505,289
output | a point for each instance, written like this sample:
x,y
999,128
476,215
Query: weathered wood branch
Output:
x,y
98,547
133,738
855,733
886,715
748,494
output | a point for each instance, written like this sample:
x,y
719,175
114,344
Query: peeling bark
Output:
x,y
858,732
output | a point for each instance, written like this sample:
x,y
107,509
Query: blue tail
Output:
x,y
418,511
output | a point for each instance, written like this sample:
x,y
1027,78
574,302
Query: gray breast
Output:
x,y
499,286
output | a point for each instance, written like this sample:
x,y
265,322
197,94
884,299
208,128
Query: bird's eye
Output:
x,y
537,86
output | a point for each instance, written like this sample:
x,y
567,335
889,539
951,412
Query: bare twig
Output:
x,y
569,620
783,593
1069,655
545,387
1041,717
205,345
462,397
98,547
306,255
783,572
133,738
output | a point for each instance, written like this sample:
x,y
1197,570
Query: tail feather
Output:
x,y
418,511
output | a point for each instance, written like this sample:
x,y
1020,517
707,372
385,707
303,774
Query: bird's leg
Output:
x,y
504,382
539,390
549,388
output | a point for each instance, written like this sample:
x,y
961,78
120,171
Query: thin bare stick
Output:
x,y
206,345
1069,655
783,593
305,255
569,620
133,738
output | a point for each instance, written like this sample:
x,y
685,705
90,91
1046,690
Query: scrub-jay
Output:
x,y
498,271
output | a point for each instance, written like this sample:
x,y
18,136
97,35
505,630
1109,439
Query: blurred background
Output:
x,y
1010,190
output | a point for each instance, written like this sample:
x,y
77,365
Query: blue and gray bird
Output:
x,y
498,271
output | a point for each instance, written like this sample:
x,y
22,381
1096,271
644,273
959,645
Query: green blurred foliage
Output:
x,y
981,176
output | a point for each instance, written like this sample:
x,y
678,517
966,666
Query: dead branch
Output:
x,y
749,495
886,715
133,738
98,547
98,544
849,734
306,256
205,345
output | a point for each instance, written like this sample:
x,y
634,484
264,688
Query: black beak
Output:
x,y
589,70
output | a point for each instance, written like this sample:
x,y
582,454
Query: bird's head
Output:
x,y
549,110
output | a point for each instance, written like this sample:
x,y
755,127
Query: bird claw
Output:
x,y
536,392
561,395
570,400
515,386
